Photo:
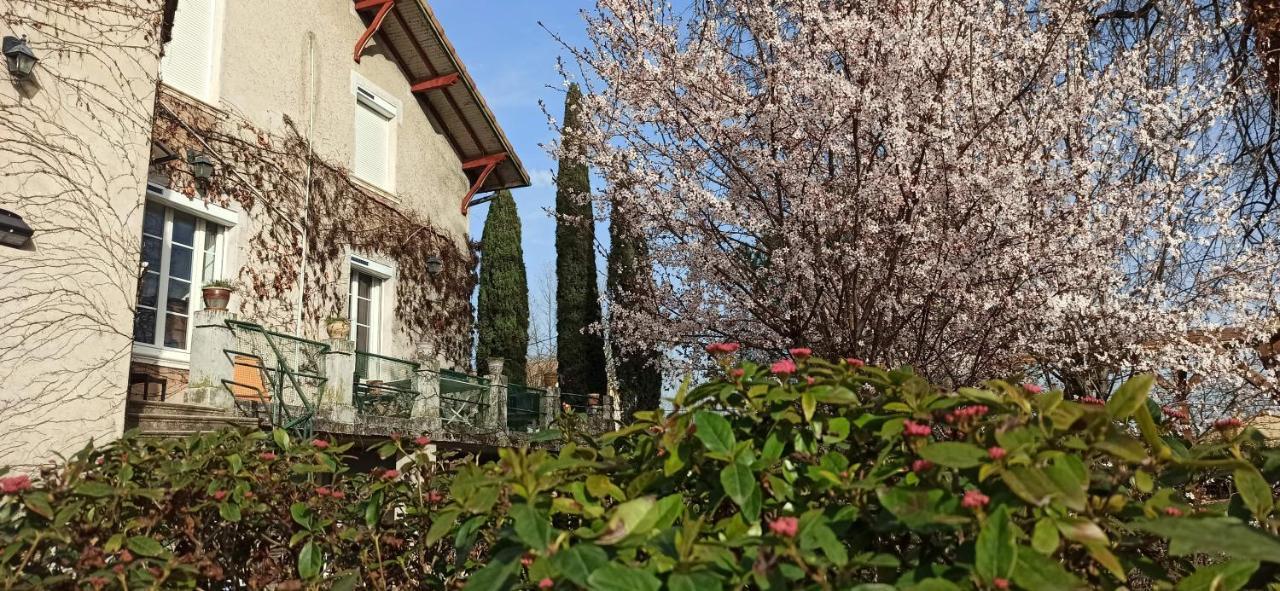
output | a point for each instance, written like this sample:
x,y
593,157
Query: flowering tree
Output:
x,y
966,187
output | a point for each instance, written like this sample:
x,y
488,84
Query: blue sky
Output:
x,y
513,61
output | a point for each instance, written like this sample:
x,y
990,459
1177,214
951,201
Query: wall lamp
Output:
x,y
435,265
13,231
201,165
21,60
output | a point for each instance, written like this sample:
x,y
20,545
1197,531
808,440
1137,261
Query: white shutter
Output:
x,y
372,162
188,58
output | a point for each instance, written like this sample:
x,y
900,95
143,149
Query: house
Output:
x,y
320,157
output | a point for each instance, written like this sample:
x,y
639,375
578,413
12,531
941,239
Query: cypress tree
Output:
x,y
579,353
630,278
503,310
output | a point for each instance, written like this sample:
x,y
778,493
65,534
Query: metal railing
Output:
x,y
464,400
524,408
284,373
384,386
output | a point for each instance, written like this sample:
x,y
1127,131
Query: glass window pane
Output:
x,y
179,296
180,262
184,228
366,285
362,338
153,220
144,326
175,331
209,266
149,289
151,252
362,312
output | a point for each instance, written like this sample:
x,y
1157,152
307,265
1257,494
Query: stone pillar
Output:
x,y
211,338
497,416
339,385
426,408
550,407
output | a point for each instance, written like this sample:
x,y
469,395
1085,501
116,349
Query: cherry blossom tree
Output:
x,y
972,188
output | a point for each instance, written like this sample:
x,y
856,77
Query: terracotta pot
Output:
x,y
338,329
216,298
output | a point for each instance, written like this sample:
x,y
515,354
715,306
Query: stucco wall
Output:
x,y
74,145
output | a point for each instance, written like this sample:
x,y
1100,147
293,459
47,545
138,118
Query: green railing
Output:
x,y
464,400
283,372
580,403
524,407
384,386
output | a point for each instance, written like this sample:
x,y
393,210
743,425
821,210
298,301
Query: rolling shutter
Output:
x,y
188,61
373,153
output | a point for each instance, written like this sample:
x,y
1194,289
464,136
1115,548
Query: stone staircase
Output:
x,y
176,419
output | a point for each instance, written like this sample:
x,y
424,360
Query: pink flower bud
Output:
x,y
390,474
1092,400
996,452
267,456
914,429
1173,511
1000,583
15,484
422,441
1032,388
801,353
974,499
322,491
737,373
854,362
785,526
218,495
546,583
1227,423
921,466
783,367
319,444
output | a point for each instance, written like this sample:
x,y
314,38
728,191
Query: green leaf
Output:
x,y
301,514
1224,535
229,511
440,526
1030,483
714,431
578,562
1036,571
94,489
38,503
618,577
808,404
281,438
310,560
696,581
145,546
1226,576
1045,536
740,484
954,454
235,463
494,577
920,508
532,526
1130,396
373,509
1254,491
625,518
997,546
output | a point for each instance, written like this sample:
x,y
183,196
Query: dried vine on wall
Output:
x,y
266,174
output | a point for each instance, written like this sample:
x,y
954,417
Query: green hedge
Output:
x,y
808,475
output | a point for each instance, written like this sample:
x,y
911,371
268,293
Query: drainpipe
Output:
x,y
313,97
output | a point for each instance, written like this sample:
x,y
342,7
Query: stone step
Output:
x,y
153,407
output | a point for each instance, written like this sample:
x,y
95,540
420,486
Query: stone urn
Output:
x,y
217,295
338,328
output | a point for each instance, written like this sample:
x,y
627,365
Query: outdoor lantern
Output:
x,y
13,231
201,165
435,265
19,56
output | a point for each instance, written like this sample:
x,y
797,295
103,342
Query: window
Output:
x,y
180,253
188,62
366,295
374,150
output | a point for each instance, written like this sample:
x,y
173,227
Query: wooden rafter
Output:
x,y
488,163
434,83
384,7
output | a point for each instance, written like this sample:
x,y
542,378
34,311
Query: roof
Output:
x,y
413,37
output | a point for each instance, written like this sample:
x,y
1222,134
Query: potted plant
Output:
x,y
217,294
338,327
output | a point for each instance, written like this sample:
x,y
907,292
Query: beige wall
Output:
x,y
74,146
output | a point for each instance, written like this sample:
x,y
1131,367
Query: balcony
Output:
x,y
311,387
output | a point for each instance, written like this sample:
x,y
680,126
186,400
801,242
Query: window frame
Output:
x,y
366,95
206,215
381,275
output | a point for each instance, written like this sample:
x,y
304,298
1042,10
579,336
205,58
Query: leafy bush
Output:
x,y
808,474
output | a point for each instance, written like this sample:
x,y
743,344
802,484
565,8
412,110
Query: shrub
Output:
x,y
805,475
